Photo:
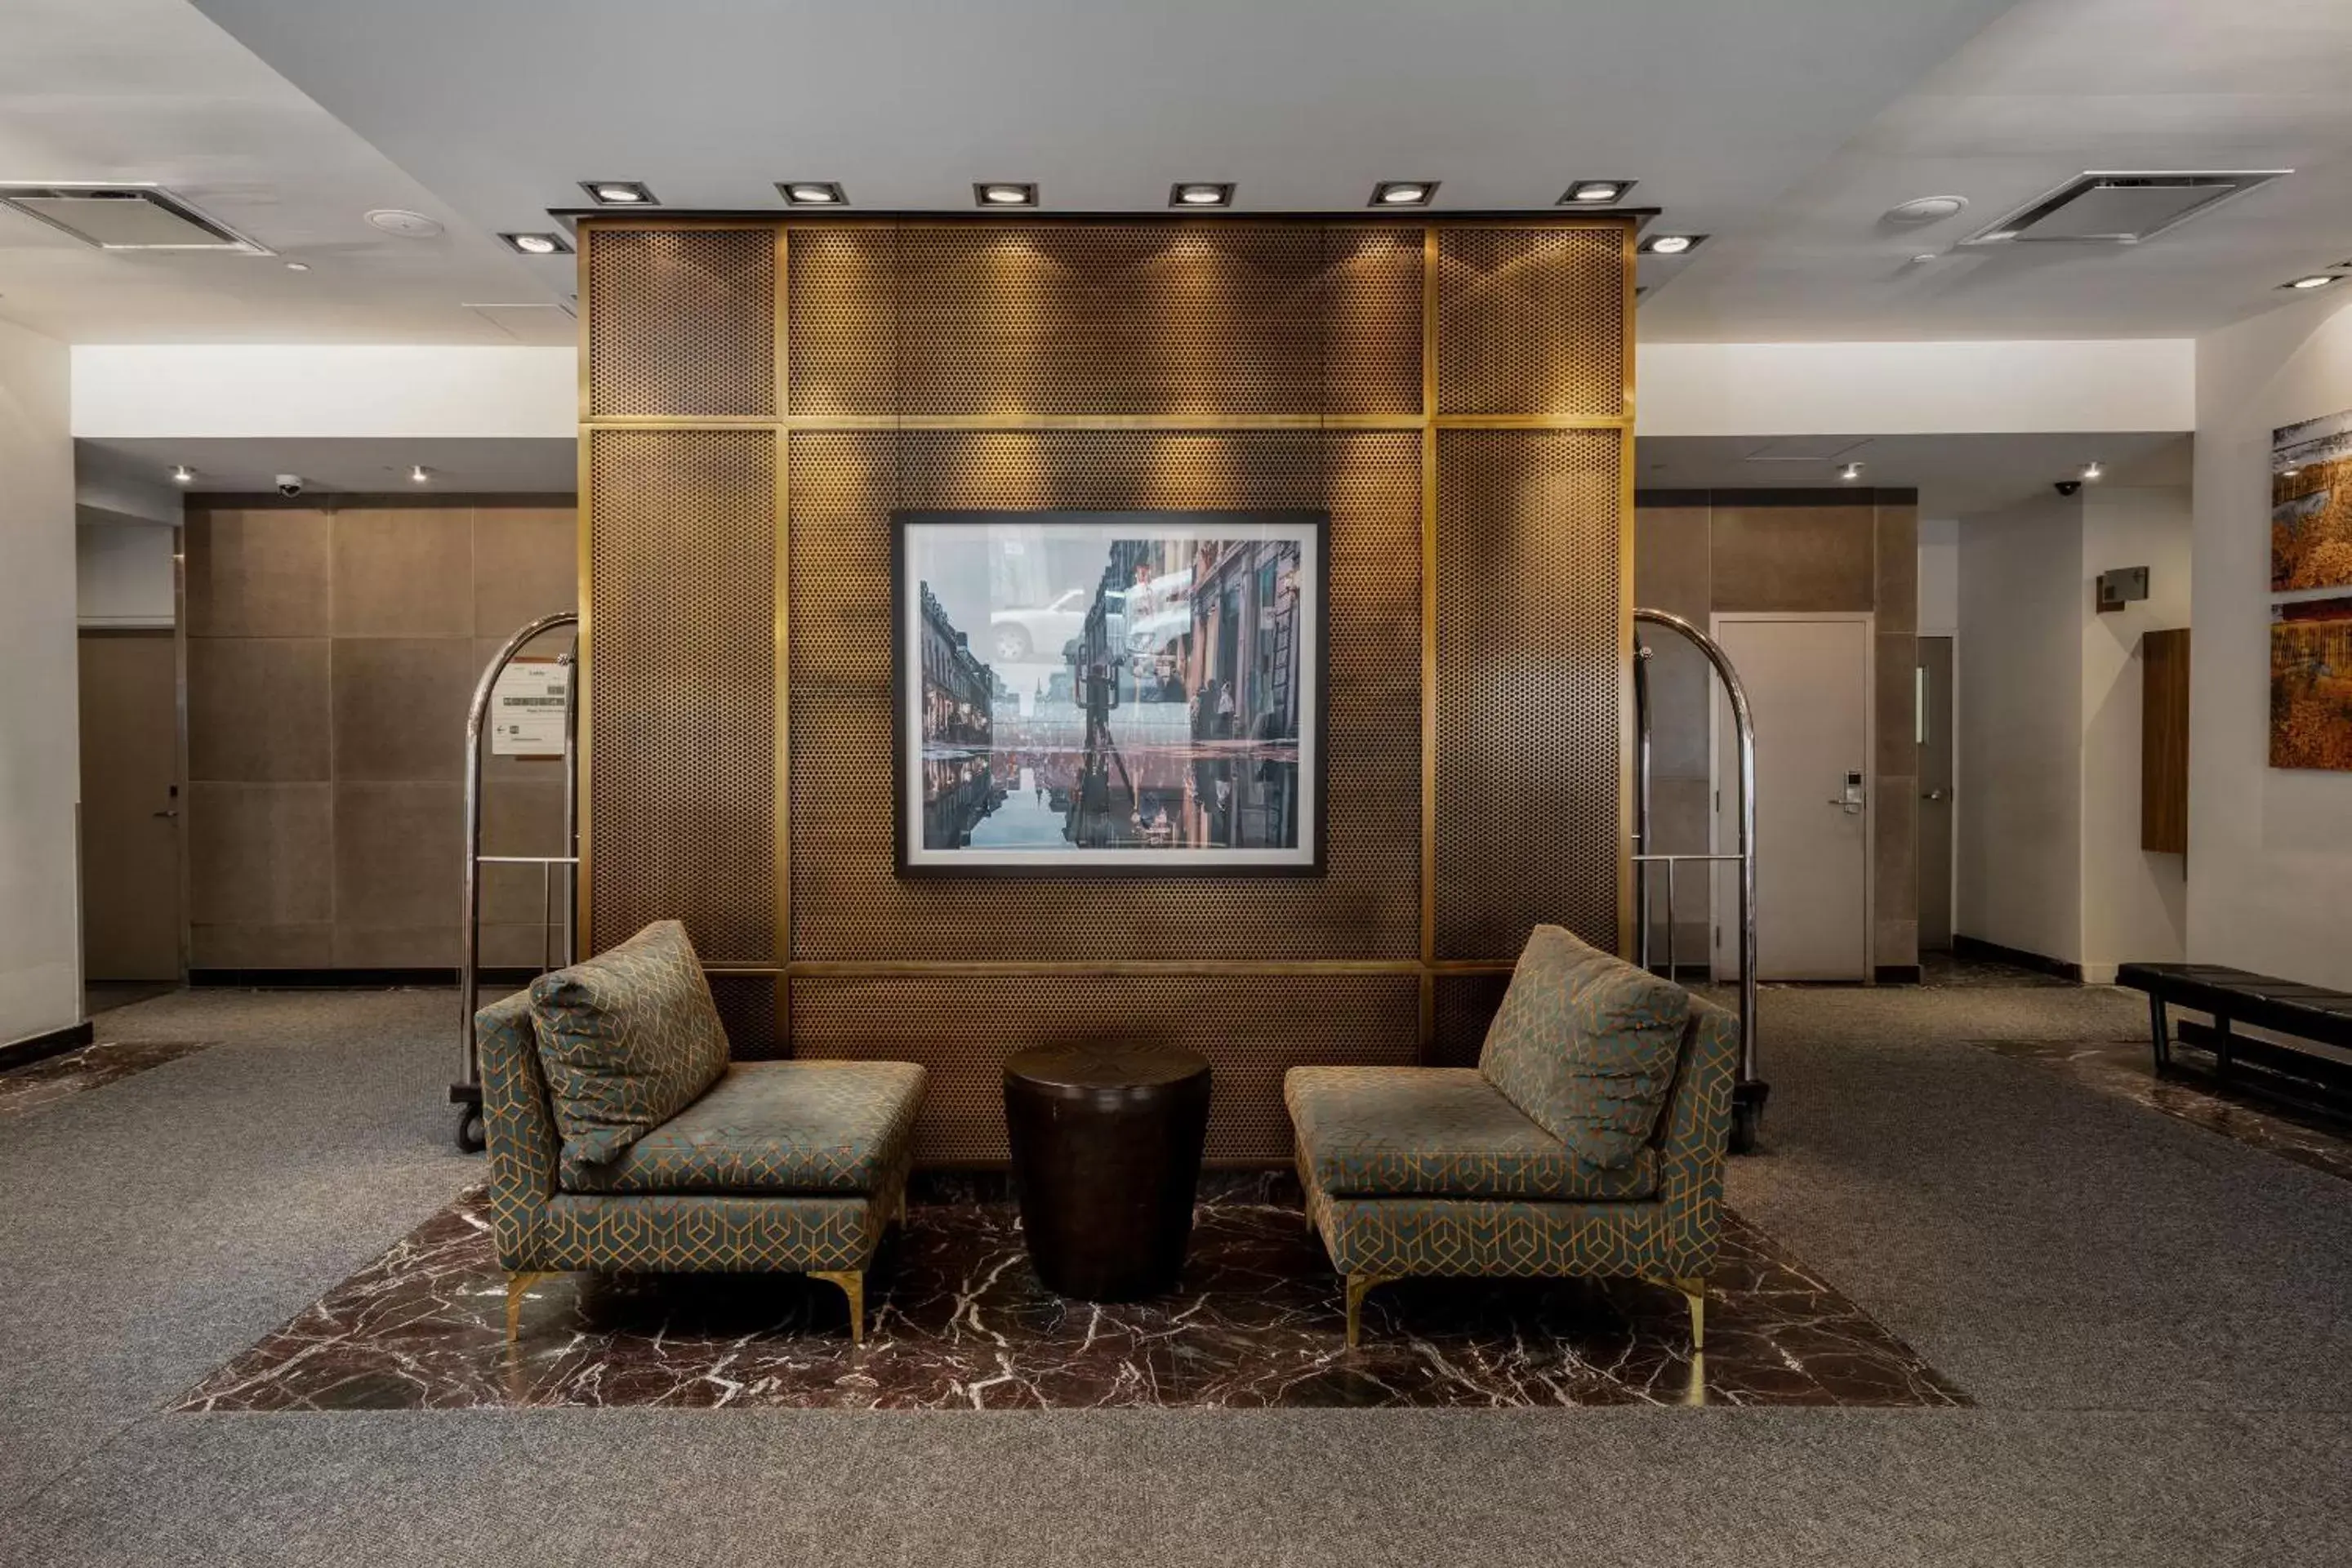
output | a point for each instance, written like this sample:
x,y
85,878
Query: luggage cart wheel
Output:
x,y
470,1138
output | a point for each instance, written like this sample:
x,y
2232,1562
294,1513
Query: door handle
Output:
x,y
1936,795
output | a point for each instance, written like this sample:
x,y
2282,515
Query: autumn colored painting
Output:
x,y
2311,684
2311,504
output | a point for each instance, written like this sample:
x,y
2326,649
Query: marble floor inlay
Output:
x,y
2127,1070
957,1320
53,1079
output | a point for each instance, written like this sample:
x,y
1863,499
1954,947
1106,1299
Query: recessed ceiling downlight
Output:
x,y
1672,244
1404,193
813,193
1005,193
2316,281
536,244
620,192
1200,194
1595,193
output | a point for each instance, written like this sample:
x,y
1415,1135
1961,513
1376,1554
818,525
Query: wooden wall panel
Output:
x,y
1451,394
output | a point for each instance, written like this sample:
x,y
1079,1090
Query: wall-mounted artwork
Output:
x,y
2311,504
2311,684
1117,693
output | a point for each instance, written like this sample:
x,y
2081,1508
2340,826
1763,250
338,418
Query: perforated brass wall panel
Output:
x,y
680,322
681,690
1529,760
1465,1006
747,1007
848,901
1106,319
1251,1028
1531,320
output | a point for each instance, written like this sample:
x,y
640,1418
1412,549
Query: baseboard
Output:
x,y
40,1047
349,979
1977,947
1899,973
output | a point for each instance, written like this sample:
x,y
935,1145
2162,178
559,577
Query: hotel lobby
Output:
x,y
1287,783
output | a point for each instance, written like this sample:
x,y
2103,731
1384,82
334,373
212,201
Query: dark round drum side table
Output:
x,y
1107,1154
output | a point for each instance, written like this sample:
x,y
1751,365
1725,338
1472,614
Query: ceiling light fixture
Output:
x,y
298,267
620,192
1672,244
812,193
2093,471
419,474
537,244
403,223
1851,472
2316,281
2289,473
1005,193
1404,193
183,475
1200,194
1928,209
1595,193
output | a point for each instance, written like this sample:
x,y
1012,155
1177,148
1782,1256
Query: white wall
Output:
x,y
2270,851
123,574
2135,901
128,392
2018,870
40,785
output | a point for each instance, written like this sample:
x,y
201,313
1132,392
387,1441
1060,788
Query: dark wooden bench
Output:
x,y
2235,997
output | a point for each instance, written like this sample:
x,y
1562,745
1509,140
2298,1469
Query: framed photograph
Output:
x,y
2311,504
2311,684
1110,693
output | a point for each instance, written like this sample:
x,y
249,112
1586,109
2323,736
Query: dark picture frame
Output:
x,y
1149,650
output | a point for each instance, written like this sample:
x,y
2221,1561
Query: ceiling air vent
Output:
x,y
2111,207
125,217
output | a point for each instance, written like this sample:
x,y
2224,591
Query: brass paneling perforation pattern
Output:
x,y
1251,1028
1531,322
682,687
680,323
1528,690
848,901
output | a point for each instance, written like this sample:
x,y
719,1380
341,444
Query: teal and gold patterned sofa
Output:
x,y
1587,1141
622,1139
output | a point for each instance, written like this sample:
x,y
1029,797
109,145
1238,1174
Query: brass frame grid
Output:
x,y
1427,421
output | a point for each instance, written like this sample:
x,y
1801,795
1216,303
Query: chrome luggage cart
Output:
x,y
467,1092
1748,1096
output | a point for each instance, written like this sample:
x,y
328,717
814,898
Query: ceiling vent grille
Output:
x,y
125,217
2116,208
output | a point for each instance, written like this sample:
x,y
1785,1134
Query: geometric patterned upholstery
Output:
x,y
793,1127
1671,1234
1439,1132
629,1038
537,1227
1585,1043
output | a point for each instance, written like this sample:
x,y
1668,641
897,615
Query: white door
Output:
x,y
1807,680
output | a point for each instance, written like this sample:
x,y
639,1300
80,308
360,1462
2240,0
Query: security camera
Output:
x,y
289,484
2066,487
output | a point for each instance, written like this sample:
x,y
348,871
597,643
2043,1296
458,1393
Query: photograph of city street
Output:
x,y
1108,693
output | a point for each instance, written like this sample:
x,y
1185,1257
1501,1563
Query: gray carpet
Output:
x,y
2145,1310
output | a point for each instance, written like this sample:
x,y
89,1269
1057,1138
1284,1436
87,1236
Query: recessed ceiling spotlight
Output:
x,y
2092,470
2289,473
1004,194
183,475
1404,193
813,193
1200,194
298,267
1928,209
537,244
2316,281
418,474
403,223
1672,244
1851,472
1595,193
620,192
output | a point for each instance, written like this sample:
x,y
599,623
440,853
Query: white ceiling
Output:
x,y
1955,474
332,466
151,91
1785,131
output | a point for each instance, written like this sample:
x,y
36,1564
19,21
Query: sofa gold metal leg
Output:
x,y
1694,1292
851,1282
1358,1286
519,1285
